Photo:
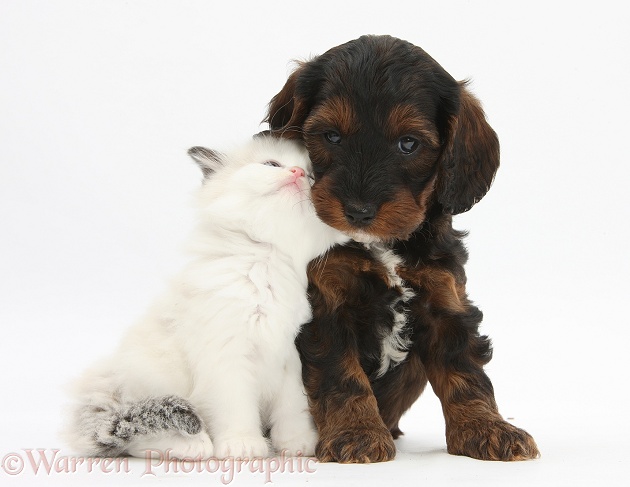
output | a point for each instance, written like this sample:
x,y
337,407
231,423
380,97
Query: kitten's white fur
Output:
x,y
222,338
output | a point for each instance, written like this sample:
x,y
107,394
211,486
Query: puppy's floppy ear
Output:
x,y
207,159
289,108
470,157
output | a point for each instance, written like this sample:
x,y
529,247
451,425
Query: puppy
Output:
x,y
398,147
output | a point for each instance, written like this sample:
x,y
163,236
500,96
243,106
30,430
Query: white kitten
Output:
x,y
213,365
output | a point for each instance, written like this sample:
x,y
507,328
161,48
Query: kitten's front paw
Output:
x,y
293,443
241,447
174,444
197,447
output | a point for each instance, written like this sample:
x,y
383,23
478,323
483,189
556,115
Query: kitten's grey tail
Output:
x,y
107,431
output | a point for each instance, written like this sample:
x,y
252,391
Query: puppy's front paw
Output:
x,y
491,440
295,443
241,447
361,444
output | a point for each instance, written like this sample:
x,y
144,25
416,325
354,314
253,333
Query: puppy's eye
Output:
x,y
333,137
407,145
272,163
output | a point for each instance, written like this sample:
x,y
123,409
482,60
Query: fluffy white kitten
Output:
x,y
213,366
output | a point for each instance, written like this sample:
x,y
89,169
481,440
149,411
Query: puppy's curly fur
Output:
x,y
398,147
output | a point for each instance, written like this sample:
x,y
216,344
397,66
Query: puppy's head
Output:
x,y
390,134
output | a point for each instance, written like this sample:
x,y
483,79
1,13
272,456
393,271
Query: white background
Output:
x,y
99,101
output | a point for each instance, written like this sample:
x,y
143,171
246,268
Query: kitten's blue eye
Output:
x,y
272,163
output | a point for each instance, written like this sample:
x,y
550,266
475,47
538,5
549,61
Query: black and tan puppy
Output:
x,y
398,147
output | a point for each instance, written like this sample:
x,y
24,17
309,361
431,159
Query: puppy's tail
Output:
x,y
109,428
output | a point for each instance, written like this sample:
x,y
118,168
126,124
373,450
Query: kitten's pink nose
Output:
x,y
298,171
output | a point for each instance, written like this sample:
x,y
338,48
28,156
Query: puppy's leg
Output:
x,y
454,355
292,427
340,395
398,389
342,403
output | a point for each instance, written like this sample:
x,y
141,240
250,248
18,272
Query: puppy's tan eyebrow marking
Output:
x,y
405,120
335,113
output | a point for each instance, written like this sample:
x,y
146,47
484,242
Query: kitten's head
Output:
x,y
263,190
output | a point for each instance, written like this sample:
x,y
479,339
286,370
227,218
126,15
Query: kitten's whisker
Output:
x,y
291,128
300,202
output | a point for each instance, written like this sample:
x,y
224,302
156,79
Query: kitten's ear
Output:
x,y
207,159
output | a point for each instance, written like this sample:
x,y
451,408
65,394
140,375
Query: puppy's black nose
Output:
x,y
360,215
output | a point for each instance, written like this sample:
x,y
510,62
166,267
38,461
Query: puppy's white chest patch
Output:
x,y
395,342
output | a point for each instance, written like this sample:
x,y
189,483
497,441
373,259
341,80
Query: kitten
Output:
x,y
213,365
